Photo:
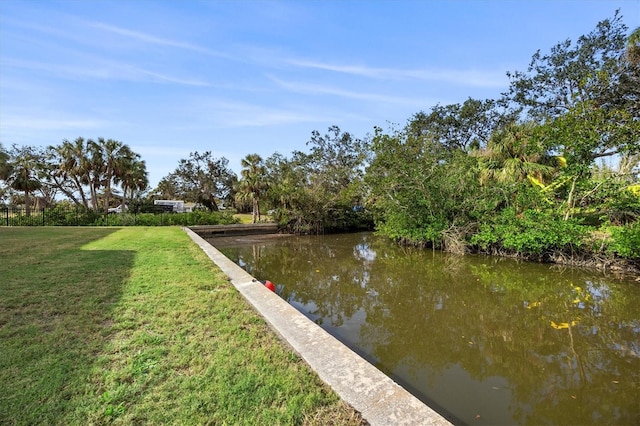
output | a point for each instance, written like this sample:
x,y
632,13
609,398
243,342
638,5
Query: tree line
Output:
x,y
524,174
84,171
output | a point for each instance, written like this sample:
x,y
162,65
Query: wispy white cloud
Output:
x,y
100,69
268,118
316,89
230,114
49,123
160,151
151,39
75,32
245,115
460,77
346,69
167,78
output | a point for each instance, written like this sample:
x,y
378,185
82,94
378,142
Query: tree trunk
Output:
x,y
66,192
570,200
107,195
27,203
124,196
94,198
85,203
255,210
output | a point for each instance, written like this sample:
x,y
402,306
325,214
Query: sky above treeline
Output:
x,y
169,77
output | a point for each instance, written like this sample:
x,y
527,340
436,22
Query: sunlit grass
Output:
x,y
248,217
136,325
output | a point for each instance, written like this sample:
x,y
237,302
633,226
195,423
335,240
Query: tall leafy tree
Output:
x,y
322,189
627,89
584,97
577,91
203,179
463,126
167,188
571,74
334,164
285,178
333,171
584,134
422,192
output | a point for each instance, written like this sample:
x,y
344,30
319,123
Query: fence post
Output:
x,y
43,210
6,211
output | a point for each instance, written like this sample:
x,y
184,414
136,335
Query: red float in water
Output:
x,y
268,284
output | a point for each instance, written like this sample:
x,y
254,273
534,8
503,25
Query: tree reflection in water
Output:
x,y
489,340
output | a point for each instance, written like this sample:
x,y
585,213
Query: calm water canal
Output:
x,y
481,340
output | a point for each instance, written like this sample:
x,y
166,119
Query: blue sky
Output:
x,y
239,77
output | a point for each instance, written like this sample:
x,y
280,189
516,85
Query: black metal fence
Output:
x,y
78,216
74,216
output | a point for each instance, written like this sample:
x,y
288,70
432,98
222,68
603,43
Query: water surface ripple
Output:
x,y
483,340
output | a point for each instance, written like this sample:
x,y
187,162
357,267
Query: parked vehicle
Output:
x,y
177,206
118,209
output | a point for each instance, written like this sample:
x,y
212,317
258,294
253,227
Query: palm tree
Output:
x,y
95,170
5,172
253,183
5,166
73,166
115,155
132,175
512,156
22,172
107,161
633,47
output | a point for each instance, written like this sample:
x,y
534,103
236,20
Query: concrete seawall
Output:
x,y
379,399
208,231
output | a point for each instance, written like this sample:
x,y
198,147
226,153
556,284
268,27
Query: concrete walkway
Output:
x,y
379,399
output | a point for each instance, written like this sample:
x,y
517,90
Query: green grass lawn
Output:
x,y
248,217
136,325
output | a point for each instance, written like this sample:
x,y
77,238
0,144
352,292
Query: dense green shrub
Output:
x,y
63,215
625,241
425,231
531,233
334,219
167,219
623,208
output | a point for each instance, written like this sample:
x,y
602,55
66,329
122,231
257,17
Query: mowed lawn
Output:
x,y
136,325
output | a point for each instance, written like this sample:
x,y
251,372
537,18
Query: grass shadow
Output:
x,y
55,318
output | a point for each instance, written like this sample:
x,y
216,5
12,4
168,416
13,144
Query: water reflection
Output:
x,y
487,340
